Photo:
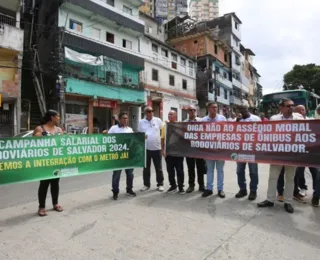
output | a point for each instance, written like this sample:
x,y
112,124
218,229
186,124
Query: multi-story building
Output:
x,y
90,57
11,50
169,77
204,10
213,60
165,10
229,27
245,73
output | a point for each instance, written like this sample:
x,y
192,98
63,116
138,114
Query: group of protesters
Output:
x,y
293,187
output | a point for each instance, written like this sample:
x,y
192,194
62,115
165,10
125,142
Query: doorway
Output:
x,y
6,120
102,119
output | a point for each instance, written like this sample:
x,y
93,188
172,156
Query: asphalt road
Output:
x,y
17,194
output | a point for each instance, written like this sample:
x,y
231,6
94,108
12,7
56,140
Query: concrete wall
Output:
x,y
11,38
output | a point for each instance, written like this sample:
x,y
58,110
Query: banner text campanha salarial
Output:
x,y
39,147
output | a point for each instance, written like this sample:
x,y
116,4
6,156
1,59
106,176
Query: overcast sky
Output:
x,y
280,32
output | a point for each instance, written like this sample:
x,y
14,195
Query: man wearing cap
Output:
x,y
152,126
193,162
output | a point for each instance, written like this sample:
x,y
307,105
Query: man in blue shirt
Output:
x,y
214,117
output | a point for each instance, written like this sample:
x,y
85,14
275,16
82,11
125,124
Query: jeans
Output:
x,y
201,170
175,164
116,179
211,164
274,174
299,180
43,189
253,172
156,157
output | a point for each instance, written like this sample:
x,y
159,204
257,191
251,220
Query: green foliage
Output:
x,y
307,76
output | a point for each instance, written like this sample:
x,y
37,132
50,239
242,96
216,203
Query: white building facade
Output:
x,y
204,10
169,77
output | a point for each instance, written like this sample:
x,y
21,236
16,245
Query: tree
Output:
x,y
307,76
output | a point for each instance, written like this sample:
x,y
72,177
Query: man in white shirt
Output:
x,y
195,162
246,116
214,117
286,109
122,128
152,127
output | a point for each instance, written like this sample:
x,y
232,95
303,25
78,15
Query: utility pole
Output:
x,y
62,100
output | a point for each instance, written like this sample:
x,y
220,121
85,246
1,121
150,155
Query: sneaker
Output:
x,y
288,207
299,198
190,189
265,204
252,195
161,189
221,194
172,190
303,192
182,191
241,194
145,188
207,193
315,201
131,193
115,195
280,198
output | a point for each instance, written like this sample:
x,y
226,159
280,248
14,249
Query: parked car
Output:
x,y
25,134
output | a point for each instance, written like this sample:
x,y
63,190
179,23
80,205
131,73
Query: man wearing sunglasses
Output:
x,y
286,109
192,163
152,126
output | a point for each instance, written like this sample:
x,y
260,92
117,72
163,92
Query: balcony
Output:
x,y
245,88
224,81
98,7
85,44
220,99
235,100
236,83
10,36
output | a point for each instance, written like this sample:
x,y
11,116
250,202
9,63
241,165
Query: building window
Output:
x,y
183,62
76,26
127,10
110,2
236,25
126,44
171,80
225,75
184,84
226,57
216,49
96,33
154,48
225,94
164,53
110,37
174,58
155,75
218,91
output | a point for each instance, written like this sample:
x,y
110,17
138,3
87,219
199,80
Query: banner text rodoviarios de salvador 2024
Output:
x,y
272,142
40,158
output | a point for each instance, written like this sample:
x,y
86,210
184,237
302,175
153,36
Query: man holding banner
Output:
x,y
253,167
214,117
286,109
193,163
122,128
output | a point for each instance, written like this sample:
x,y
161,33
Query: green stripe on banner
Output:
x,y
40,158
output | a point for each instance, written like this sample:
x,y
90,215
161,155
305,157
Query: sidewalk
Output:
x,y
160,226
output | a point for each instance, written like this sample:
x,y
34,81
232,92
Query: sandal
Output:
x,y
42,212
57,208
